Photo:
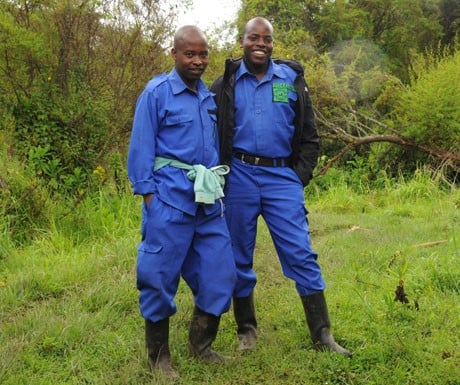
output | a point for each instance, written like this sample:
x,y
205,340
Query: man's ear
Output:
x,y
173,53
241,41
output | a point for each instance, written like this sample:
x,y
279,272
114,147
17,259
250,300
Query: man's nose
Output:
x,y
197,60
260,41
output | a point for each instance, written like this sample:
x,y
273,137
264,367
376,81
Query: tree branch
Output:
x,y
365,134
453,159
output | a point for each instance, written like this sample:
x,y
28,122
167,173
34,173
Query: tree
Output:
x,y
403,28
423,119
73,70
450,20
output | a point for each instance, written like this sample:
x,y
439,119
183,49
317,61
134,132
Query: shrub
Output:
x,y
25,204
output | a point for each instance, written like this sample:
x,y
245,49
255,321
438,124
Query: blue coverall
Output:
x,y
264,126
179,236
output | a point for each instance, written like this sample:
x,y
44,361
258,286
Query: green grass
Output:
x,y
69,311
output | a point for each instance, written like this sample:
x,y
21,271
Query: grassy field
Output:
x,y
69,311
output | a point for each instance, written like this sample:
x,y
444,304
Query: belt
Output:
x,y
261,161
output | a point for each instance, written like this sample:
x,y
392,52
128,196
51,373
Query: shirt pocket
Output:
x,y
178,120
287,109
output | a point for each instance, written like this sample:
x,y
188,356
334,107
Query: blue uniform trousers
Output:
x,y
276,193
196,247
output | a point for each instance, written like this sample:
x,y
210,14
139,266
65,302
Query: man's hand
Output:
x,y
147,199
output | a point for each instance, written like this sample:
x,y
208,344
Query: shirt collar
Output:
x,y
273,70
178,85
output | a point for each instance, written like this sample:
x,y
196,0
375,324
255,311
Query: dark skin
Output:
x,y
190,54
257,44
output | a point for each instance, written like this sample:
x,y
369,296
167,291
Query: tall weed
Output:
x,y
25,204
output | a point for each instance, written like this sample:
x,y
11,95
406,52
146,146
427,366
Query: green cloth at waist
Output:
x,y
208,182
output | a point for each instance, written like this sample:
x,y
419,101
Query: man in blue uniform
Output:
x,y
173,163
268,136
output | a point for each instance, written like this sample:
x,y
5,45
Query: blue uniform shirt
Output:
x,y
174,122
264,111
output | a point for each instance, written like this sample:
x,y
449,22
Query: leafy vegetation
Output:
x,y
429,110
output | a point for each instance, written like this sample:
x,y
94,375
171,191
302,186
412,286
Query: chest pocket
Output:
x,y
177,120
284,101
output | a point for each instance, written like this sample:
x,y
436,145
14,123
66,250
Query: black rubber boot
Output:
x,y
157,343
245,317
318,322
202,333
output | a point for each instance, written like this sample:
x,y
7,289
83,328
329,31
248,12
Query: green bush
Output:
x,y
62,137
25,203
428,111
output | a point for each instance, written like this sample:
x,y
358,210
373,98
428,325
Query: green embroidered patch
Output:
x,y
280,92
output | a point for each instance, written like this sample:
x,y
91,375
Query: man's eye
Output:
x,y
189,55
266,39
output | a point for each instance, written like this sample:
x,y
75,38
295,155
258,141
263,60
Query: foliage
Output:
x,y
342,21
361,70
73,71
61,137
429,109
24,204
450,21
426,111
396,22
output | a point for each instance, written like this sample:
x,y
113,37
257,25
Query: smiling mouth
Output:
x,y
259,53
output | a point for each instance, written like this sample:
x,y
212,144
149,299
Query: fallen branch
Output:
x,y
428,244
337,132
453,159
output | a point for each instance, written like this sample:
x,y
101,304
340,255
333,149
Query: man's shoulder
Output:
x,y
216,84
156,81
233,63
293,64
231,66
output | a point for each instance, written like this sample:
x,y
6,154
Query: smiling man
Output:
x,y
269,137
173,147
